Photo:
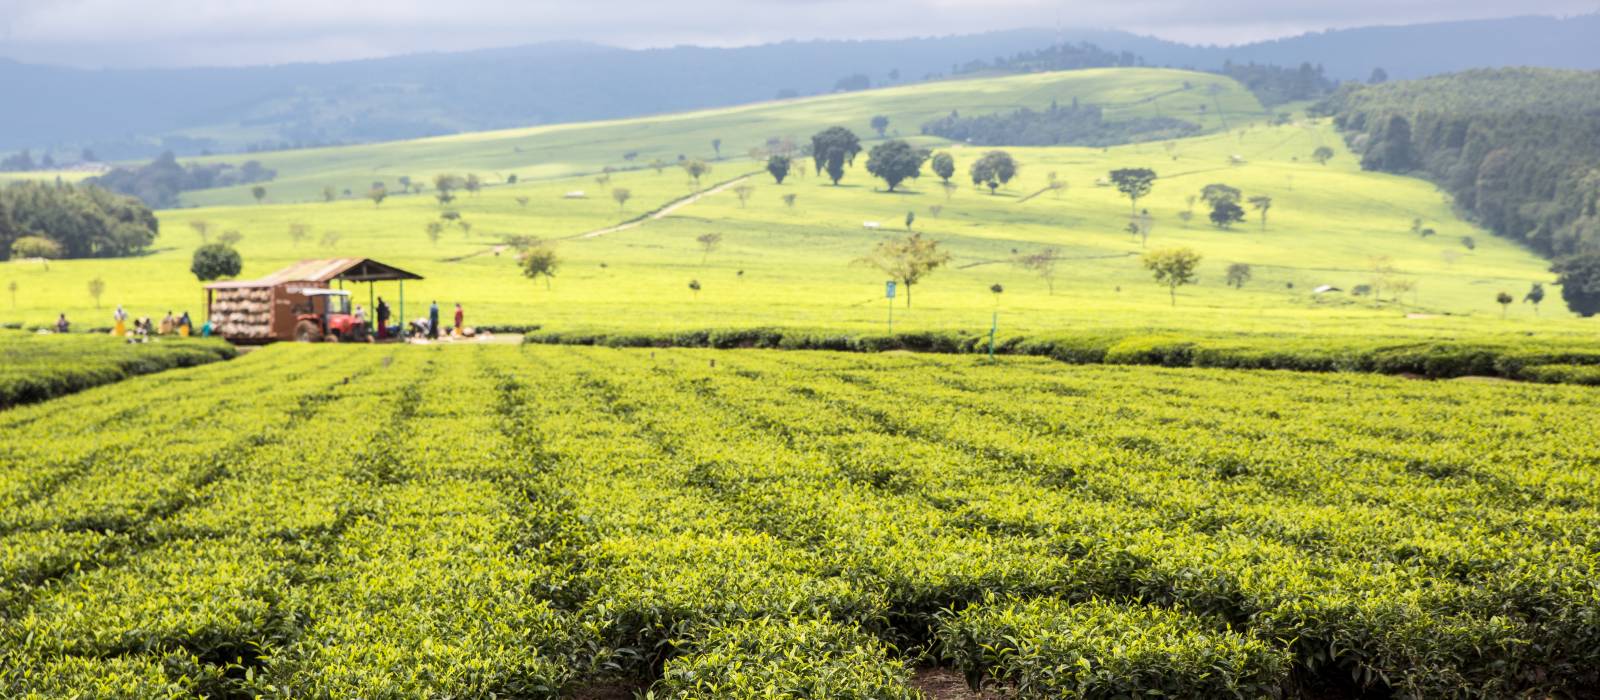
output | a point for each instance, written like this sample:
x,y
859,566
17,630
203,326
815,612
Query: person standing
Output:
x,y
120,318
61,324
166,325
185,326
433,320
383,319
460,317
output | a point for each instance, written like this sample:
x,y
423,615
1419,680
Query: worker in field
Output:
x,y
433,321
383,319
185,326
166,324
360,315
460,317
120,322
61,324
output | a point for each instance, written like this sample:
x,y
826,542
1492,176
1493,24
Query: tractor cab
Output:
x,y
326,316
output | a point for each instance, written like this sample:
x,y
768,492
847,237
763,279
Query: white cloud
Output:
x,y
188,32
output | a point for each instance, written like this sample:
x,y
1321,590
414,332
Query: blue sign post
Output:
x,y
888,293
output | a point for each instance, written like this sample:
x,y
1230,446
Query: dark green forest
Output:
x,y
72,221
160,182
1072,125
1519,149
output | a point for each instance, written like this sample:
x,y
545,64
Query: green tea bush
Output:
x,y
769,657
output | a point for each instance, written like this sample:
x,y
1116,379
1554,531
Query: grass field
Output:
x,y
461,521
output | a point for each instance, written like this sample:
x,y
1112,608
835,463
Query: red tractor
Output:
x,y
327,317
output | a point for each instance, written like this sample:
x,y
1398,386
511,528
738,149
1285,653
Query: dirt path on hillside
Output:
x,y
663,212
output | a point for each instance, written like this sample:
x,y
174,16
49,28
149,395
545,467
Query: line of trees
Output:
x,y
160,182
1072,125
51,220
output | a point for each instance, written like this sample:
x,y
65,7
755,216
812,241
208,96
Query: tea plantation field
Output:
x,y
34,367
534,521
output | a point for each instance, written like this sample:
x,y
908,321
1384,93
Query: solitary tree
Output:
x,y
622,195
405,183
778,166
202,228
1043,264
329,193
540,261
330,239
1218,192
911,218
895,162
1262,203
298,232
12,287
230,238
907,260
1379,75
1133,183
708,244
716,147
834,148
788,200
521,201
880,124
743,192
1226,213
215,260
472,184
949,189
1534,296
1322,155
1238,274
435,229
1579,277
943,165
97,287
694,288
1173,267
377,194
993,170
696,169
1504,299
259,193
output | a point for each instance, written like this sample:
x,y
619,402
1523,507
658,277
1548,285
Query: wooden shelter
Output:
x,y
265,309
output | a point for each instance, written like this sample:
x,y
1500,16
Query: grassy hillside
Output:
x,y
568,149
1330,224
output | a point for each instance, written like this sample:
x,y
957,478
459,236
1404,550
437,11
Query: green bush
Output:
x,y
784,657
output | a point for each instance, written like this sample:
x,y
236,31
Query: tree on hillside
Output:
x,y
521,201
1535,295
778,166
895,162
472,184
993,170
1043,264
907,260
405,183
911,218
445,186
716,147
12,287
435,230
97,287
1218,192
230,237
1134,183
788,200
696,169
540,261
880,124
1174,267
377,194
298,232
694,288
708,244
943,165
330,239
1579,277
259,193
743,191
329,193
202,228
1504,299
1322,155
36,247
1226,213
1238,274
1379,76
834,148
622,195
1262,203
949,189
215,261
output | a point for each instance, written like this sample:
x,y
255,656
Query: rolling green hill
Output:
x,y
779,265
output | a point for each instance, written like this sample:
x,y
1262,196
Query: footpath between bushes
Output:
x,y
1549,361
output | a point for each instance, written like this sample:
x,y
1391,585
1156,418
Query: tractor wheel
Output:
x,y
308,332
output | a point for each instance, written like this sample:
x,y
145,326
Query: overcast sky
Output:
x,y
248,32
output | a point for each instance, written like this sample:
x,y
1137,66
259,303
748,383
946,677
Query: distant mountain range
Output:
x,y
126,114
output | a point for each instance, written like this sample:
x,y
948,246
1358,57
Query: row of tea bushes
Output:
x,y
35,367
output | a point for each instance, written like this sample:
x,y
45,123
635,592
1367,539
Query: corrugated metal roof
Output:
x,y
352,269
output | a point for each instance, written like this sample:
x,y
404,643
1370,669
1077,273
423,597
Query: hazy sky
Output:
x,y
244,32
